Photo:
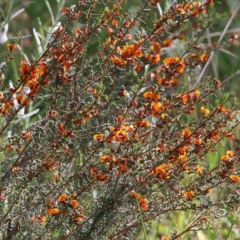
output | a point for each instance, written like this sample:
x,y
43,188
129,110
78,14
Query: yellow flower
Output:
x,y
205,110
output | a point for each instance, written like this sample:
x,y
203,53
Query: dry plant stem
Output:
x,y
99,147
214,64
189,228
196,40
215,34
11,207
219,41
198,218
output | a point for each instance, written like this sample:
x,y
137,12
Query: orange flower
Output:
x,y
217,83
152,96
165,237
204,57
215,135
208,191
32,84
62,130
120,118
185,98
165,116
156,106
131,51
55,177
135,194
53,211
189,195
4,109
188,110
42,219
16,169
234,178
63,198
155,2
142,123
161,148
233,38
79,218
155,47
193,56
230,153
183,149
186,132
42,69
180,8
1,96
182,158
123,168
98,137
74,203
78,32
198,141
181,36
223,109
50,164
206,219
209,2
64,10
22,100
12,47
121,136
20,148
129,128
171,61
114,22
160,171
101,177
195,95
93,171
148,57
108,158
199,170
143,202
25,67
167,42
155,59
52,114
229,135
26,135
118,61
9,147
109,30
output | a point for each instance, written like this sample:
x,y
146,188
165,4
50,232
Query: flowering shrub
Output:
x,y
125,129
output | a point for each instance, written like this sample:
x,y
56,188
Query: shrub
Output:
x,y
128,134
